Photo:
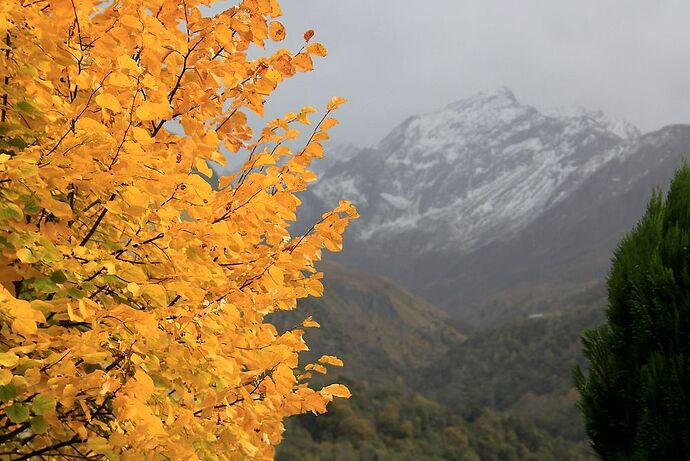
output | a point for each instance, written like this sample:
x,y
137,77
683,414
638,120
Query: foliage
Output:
x,y
133,295
634,396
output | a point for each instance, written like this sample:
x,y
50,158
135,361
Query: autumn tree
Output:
x,y
133,297
635,396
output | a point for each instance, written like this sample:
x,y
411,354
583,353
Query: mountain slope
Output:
x,y
566,249
493,210
473,172
372,324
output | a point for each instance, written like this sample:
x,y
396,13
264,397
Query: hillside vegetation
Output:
x,y
424,390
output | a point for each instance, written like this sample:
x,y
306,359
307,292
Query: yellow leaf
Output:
x,y
317,49
133,288
153,111
69,394
25,255
119,79
335,102
108,101
135,197
8,359
248,448
5,377
83,433
203,167
302,118
329,123
126,62
330,360
156,294
336,390
95,357
303,62
73,316
132,273
142,136
315,149
24,326
310,323
317,368
130,21
24,322
90,125
143,386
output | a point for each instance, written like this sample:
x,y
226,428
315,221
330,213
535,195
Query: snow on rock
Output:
x,y
478,170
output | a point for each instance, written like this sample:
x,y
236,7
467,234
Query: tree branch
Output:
x,y
96,224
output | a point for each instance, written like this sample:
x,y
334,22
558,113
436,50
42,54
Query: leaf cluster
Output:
x,y
132,294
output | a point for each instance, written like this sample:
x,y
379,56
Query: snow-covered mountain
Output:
x,y
476,171
492,208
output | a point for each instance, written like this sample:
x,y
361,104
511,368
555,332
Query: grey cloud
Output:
x,y
395,58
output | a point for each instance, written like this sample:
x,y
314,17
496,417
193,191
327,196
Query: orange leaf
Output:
x,y
276,31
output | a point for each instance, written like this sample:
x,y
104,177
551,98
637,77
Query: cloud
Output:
x,y
395,58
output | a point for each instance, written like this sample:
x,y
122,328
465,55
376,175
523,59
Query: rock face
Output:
x,y
470,173
491,202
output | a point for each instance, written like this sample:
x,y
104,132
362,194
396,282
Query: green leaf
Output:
x,y
25,106
100,445
38,425
44,285
31,204
41,404
75,294
49,253
18,412
17,142
58,277
11,211
111,280
7,393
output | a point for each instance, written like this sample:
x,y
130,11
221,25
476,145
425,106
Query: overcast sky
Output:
x,y
396,58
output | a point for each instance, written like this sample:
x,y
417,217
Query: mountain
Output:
x,y
492,209
562,256
475,171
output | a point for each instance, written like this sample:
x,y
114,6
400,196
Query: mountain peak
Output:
x,y
619,127
476,171
496,98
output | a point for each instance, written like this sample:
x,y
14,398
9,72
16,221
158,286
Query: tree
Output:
x,y
133,297
635,397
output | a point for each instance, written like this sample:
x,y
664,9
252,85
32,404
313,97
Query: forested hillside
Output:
x,y
423,389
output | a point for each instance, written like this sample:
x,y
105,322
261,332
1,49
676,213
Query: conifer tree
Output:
x,y
635,396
